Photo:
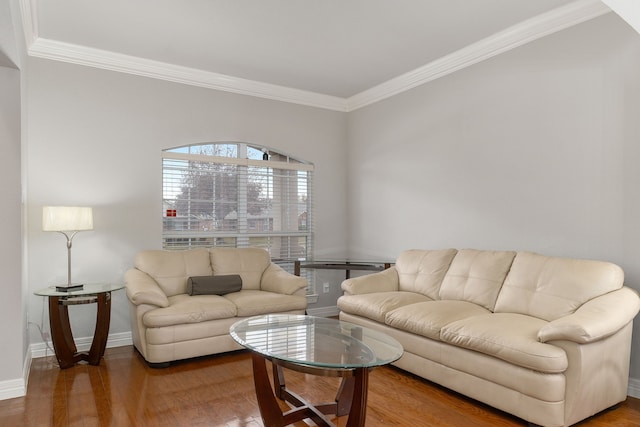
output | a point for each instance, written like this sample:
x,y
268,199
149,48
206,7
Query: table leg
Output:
x,y
103,318
344,397
61,335
296,268
358,412
269,408
279,385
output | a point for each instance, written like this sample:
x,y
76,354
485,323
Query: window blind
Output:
x,y
236,195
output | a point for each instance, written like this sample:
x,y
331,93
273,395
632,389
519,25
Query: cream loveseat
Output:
x,y
167,323
546,339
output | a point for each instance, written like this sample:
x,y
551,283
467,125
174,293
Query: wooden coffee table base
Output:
x,y
351,398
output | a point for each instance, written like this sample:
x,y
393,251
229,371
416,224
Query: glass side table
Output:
x,y
346,265
61,334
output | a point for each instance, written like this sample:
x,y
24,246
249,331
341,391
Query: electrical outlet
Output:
x,y
45,335
325,287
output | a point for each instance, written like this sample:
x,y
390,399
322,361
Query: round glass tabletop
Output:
x,y
316,341
87,289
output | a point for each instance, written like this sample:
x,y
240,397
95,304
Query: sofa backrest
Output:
x,y
476,276
550,287
249,263
422,271
170,269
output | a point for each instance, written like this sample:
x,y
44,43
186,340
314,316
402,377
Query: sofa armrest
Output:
x,y
596,319
143,289
383,281
278,280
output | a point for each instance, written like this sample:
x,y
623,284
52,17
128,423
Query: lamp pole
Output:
x,y
69,244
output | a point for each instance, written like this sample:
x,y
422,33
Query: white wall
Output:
x,y
95,139
12,334
12,301
537,149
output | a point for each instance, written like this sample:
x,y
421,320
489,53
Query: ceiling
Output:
x,y
308,51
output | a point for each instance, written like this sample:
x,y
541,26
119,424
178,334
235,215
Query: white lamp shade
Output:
x,y
67,218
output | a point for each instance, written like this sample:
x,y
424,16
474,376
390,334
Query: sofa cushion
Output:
x,y
422,271
249,263
198,333
190,309
214,285
253,302
376,305
428,318
170,269
476,276
551,287
507,336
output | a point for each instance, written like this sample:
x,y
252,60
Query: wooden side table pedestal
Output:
x,y
61,334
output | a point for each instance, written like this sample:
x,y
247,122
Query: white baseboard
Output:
x,y
12,388
324,311
634,388
18,387
83,344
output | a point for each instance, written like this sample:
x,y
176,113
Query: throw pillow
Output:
x,y
214,285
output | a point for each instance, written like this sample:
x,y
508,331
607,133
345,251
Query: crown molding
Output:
x,y
527,31
81,55
556,20
29,21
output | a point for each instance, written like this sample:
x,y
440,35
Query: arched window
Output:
x,y
237,195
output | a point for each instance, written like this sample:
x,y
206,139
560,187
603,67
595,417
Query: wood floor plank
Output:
x,y
218,391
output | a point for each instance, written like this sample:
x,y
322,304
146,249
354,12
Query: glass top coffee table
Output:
x,y
313,345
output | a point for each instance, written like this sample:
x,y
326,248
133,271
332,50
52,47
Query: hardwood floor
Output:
x,y
218,391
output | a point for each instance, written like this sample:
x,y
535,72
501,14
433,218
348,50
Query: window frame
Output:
x,y
245,166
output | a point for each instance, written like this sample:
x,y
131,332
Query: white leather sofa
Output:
x,y
546,339
169,324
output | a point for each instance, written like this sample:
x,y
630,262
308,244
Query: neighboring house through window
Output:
x,y
231,194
